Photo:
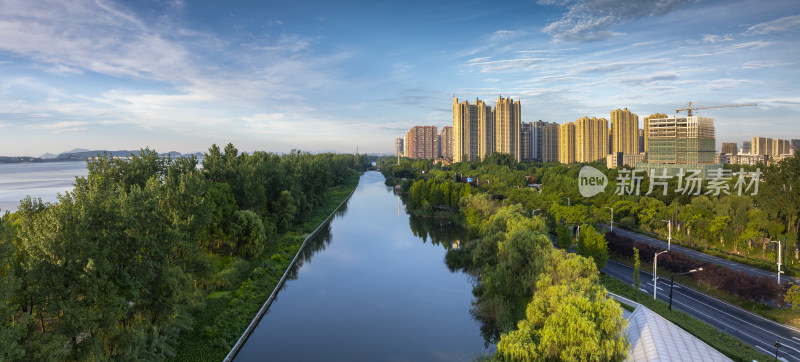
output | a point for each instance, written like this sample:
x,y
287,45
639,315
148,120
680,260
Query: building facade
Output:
x,y
526,141
398,147
446,142
681,140
550,142
646,127
591,139
422,142
625,132
507,120
566,143
746,148
473,134
769,146
729,148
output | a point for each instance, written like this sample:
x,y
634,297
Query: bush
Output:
x,y
753,288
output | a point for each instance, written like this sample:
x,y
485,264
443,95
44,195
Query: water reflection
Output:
x,y
440,232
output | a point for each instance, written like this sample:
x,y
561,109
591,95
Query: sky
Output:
x,y
346,75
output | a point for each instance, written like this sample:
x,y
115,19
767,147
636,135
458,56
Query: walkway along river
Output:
x,y
372,286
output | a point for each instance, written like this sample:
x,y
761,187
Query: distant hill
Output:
x,y
81,154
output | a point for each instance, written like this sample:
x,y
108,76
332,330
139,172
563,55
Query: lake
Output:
x,y
39,180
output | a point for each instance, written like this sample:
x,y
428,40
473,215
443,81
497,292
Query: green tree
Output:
x,y
563,237
593,244
569,318
636,265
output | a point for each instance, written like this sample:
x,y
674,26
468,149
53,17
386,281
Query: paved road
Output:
x,y
753,329
702,256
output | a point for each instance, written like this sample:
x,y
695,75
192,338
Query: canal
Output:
x,y
372,286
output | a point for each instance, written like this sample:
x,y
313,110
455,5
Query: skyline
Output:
x,y
174,75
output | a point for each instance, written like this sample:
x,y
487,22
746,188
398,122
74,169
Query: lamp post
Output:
x,y
672,283
779,259
655,266
564,197
669,238
612,217
534,212
777,345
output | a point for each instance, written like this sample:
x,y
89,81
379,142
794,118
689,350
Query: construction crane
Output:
x,y
689,107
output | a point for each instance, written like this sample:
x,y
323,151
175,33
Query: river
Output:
x,y
43,180
373,286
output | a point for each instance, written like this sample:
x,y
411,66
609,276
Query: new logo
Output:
x,y
591,181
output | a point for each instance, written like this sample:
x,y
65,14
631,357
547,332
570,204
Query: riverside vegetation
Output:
x,y
510,266
153,258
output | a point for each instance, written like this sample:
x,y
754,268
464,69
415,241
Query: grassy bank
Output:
x,y
728,345
229,310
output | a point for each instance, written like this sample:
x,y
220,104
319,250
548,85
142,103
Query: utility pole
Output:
x,y
612,217
672,283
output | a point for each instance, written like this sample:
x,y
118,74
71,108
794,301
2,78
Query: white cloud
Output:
x,y
486,65
758,64
591,20
775,26
64,126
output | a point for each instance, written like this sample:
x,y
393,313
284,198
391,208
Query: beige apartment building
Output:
x,y
566,143
507,123
769,146
473,134
549,141
591,139
729,148
625,134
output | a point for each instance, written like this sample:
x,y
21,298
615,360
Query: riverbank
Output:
x,y
230,310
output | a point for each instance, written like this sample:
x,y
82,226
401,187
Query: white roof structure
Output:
x,y
653,338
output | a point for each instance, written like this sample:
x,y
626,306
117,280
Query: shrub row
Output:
x,y
758,289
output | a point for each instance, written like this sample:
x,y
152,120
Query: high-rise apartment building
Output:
x,y
729,148
641,140
566,143
681,140
781,147
646,127
507,119
473,134
795,143
591,139
446,142
746,148
398,146
550,142
422,142
526,141
625,132
406,144
769,146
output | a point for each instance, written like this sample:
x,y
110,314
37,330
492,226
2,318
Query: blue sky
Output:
x,y
327,75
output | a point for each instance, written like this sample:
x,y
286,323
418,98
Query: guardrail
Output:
x,y
252,326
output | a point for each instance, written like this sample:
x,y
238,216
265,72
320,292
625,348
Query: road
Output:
x,y
702,256
753,329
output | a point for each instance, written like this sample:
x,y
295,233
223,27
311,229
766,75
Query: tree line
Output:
x,y
115,267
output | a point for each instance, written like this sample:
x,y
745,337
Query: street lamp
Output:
x,y
669,238
612,217
777,345
564,197
534,212
672,283
655,265
779,259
